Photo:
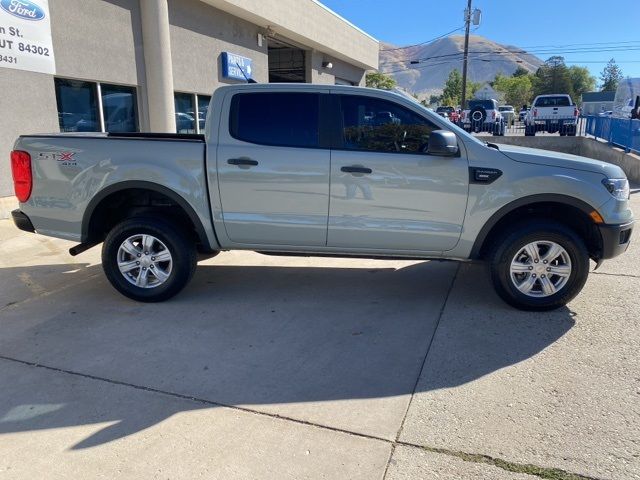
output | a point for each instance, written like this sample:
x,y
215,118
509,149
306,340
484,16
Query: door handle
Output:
x,y
355,169
242,161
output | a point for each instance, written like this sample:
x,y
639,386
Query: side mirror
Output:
x,y
442,143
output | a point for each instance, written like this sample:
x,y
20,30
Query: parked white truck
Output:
x,y
551,114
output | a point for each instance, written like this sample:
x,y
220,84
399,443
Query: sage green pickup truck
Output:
x,y
323,171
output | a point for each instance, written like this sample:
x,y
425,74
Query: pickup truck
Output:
x,y
552,113
325,171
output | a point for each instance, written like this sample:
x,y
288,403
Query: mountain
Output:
x,y
439,58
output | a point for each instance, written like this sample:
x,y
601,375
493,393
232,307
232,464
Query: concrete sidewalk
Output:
x,y
276,367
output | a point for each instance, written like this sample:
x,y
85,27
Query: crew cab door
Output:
x,y
387,193
273,172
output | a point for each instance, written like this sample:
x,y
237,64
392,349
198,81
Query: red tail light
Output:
x,y
461,114
22,177
535,112
493,114
575,112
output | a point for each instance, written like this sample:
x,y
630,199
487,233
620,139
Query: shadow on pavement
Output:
x,y
254,336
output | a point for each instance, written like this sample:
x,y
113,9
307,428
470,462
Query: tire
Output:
x,y
169,241
572,265
477,121
529,132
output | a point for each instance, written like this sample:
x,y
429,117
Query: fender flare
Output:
x,y
142,185
521,202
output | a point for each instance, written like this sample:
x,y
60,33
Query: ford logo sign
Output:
x,y
24,9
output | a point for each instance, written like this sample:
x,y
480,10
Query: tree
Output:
x,y
610,77
380,80
581,82
517,91
520,72
553,77
452,91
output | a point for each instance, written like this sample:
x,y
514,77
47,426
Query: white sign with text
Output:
x,y
25,36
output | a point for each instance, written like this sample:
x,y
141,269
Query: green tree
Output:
x,y
517,91
520,72
610,77
452,91
553,77
581,82
380,80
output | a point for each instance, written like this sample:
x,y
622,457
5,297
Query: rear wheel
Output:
x,y
539,265
148,259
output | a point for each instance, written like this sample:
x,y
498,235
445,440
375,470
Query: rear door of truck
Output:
x,y
273,168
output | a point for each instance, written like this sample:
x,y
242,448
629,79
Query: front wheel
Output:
x,y
539,265
148,259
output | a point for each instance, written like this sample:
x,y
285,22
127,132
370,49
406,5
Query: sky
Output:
x,y
606,29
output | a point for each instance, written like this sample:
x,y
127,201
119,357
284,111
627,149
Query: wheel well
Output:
x,y
573,217
122,204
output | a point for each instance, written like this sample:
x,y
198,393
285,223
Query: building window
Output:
x,y
119,108
185,113
80,104
190,107
77,106
278,119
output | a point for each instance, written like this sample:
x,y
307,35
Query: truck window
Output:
x,y
277,119
377,125
561,101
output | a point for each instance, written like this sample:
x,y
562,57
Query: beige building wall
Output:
x,y
199,34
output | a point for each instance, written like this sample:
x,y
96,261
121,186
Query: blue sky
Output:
x,y
611,26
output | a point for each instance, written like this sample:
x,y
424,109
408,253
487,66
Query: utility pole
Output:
x,y
467,22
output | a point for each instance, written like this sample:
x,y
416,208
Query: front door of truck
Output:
x,y
387,193
273,172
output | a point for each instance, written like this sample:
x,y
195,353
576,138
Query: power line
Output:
x,y
421,43
508,51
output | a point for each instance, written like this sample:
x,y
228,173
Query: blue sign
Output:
x,y
235,66
24,9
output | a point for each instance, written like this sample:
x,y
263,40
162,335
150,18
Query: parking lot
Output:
x,y
278,367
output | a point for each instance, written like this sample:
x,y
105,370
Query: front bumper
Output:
x,y
615,239
22,221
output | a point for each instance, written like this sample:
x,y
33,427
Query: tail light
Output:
x,y
493,114
535,112
22,176
461,114
575,112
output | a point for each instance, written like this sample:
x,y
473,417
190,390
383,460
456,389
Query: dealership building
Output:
x,y
152,65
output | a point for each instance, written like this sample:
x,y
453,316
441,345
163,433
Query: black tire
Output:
x,y
514,239
529,132
479,122
182,250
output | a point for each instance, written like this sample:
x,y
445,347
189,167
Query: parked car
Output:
x,y
483,116
523,113
552,113
280,175
451,113
185,123
508,113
